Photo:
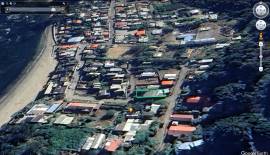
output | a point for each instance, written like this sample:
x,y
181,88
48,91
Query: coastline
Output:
x,y
31,81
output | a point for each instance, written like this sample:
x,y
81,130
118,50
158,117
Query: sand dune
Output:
x,y
35,76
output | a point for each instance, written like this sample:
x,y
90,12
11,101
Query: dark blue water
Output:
x,y
19,40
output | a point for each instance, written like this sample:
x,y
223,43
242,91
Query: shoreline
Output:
x,y
32,79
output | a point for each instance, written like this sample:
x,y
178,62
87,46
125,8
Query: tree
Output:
x,y
119,119
167,30
109,115
153,128
119,152
141,137
136,150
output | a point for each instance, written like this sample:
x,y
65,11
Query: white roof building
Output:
x,y
205,61
170,76
94,142
87,145
156,31
188,145
195,11
220,46
143,40
213,16
109,64
157,54
75,39
202,67
100,138
148,74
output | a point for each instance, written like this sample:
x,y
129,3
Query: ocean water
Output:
x,y
19,41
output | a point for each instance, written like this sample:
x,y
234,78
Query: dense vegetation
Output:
x,y
40,139
234,82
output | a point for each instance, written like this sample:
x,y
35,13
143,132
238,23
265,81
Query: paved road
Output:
x,y
76,75
111,15
172,101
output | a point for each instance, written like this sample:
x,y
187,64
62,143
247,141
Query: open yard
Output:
x,y
171,38
213,32
117,51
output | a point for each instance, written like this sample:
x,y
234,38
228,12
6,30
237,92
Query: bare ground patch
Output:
x,y
117,51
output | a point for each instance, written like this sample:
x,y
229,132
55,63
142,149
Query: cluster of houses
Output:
x,y
97,18
81,54
60,79
190,40
45,112
195,15
154,84
101,143
88,25
190,105
130,20
104,78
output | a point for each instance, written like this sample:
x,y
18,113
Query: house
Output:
x,y
140,33
170,76
116,70
94,142
167,83
94,46
39,119
160,24
205,61
129,137
81,107
144,93
213,17
75,39
148,75
143,39
204,41
49,88
204,28
104,93
156,32
77,21
199,72
136,125
220,46
112,144
185,38
187,146
192,100
182,117
38,109
109,64
195,11
63,120
236,38
53,108
179,130
120,25
154,108
203,67
99,139
157,54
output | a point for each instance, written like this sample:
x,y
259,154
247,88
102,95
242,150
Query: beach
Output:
x,y
26,88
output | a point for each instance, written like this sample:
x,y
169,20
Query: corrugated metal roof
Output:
x,y
53,108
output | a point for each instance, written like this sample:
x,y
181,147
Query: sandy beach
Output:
x,y
31,81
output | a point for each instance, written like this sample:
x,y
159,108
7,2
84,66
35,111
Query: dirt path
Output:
x,y
172,101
